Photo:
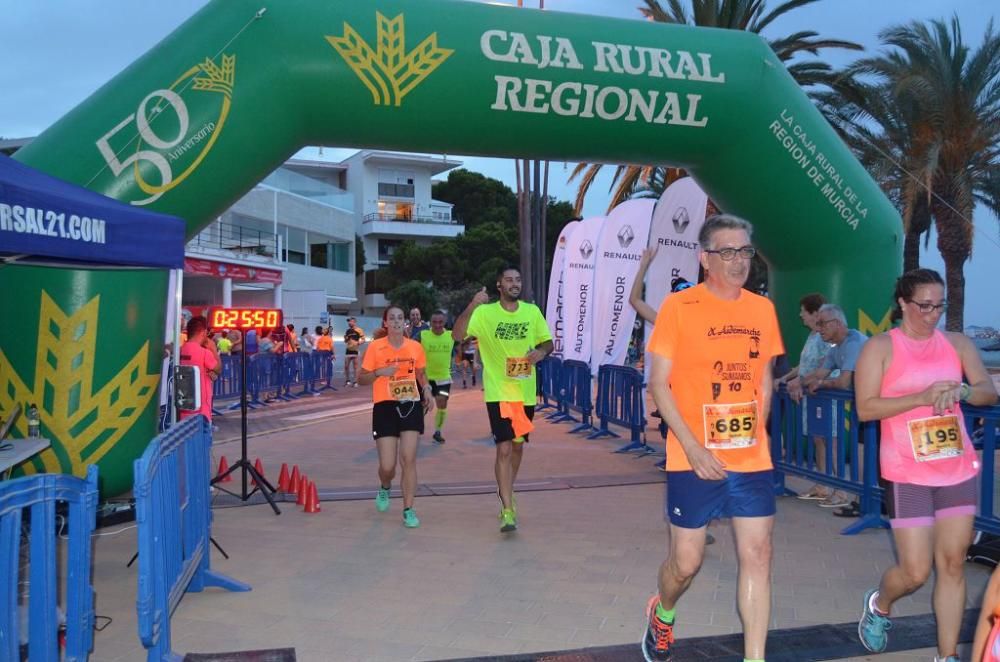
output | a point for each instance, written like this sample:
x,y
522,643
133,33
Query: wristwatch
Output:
x,y
964,392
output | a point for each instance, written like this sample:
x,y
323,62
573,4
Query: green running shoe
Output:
x,y
508,521
410,519
513,504
382,500
873,626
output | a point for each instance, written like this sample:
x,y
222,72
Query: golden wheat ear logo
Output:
x,y
389,72
85,422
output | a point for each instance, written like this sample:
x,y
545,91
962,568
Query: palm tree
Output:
x,y
951,97
747,15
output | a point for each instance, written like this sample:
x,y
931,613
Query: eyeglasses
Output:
x,y
822,323
729,254
930,307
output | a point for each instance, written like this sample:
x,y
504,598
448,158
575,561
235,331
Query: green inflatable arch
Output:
x,y
236,90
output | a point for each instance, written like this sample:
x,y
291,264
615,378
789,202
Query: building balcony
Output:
x,y
225,240
410,226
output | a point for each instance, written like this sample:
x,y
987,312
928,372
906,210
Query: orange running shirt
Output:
x,y
719,352
407,358
324,343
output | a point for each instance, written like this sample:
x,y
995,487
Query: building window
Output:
x,y
396,183
295,245
330,255
386,248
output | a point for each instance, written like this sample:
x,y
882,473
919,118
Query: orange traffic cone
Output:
x,y
283,478
293,481
312,500
259,468
223,468
303,488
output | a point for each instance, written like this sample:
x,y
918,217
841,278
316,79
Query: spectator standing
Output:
x,y
324,341
842,357
199,351
416,325
224,344
307,342
354,338
813,353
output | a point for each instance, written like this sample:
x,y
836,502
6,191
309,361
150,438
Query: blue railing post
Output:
x,y
174,523
40,494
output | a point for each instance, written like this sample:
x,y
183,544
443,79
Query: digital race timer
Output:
x,y
244,318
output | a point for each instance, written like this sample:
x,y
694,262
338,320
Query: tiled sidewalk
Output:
x,y
352,584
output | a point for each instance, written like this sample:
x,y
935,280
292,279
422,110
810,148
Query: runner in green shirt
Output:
x,y
513,337
438,346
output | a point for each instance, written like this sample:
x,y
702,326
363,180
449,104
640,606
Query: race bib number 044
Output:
x,y
404,389
935,438
518,368
729,426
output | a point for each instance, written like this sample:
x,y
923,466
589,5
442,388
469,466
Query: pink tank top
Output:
x,y
917,446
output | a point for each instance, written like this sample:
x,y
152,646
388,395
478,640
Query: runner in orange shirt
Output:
x,y
395,365
712,350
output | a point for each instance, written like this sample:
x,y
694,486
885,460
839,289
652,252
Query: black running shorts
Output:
x,y
502,428
389,418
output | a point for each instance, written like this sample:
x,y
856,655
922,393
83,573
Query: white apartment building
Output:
x,y
393,203
289,242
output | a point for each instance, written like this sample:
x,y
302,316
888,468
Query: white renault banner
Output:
x,y
554,309
619,251
677,220
578,288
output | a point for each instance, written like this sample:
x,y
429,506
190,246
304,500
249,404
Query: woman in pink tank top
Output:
x,y
911,379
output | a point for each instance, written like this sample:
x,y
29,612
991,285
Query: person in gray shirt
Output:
x,y
843,356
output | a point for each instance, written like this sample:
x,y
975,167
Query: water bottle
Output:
x,y
34,422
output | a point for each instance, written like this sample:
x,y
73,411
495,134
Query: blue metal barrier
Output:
x,y
321,369
39,495
293,373
832,415
576,395
548,371
268,378
620,401
174,522
982,424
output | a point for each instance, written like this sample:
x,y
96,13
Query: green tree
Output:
x,y
747,15
477,198
414,294
359,255
951,96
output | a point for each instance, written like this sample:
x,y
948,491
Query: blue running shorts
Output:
x,y
692,503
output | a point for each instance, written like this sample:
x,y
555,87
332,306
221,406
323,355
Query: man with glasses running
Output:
x,y
712,353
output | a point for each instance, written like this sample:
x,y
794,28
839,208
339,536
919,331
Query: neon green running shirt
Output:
x,y
438,348
504,338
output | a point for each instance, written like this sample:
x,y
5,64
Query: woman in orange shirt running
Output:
x,y
395,365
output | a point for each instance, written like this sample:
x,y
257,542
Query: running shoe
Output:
x,y
410,519
437,437
508,521
659,635
382,500
513,504
873,626
347,383
950,658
